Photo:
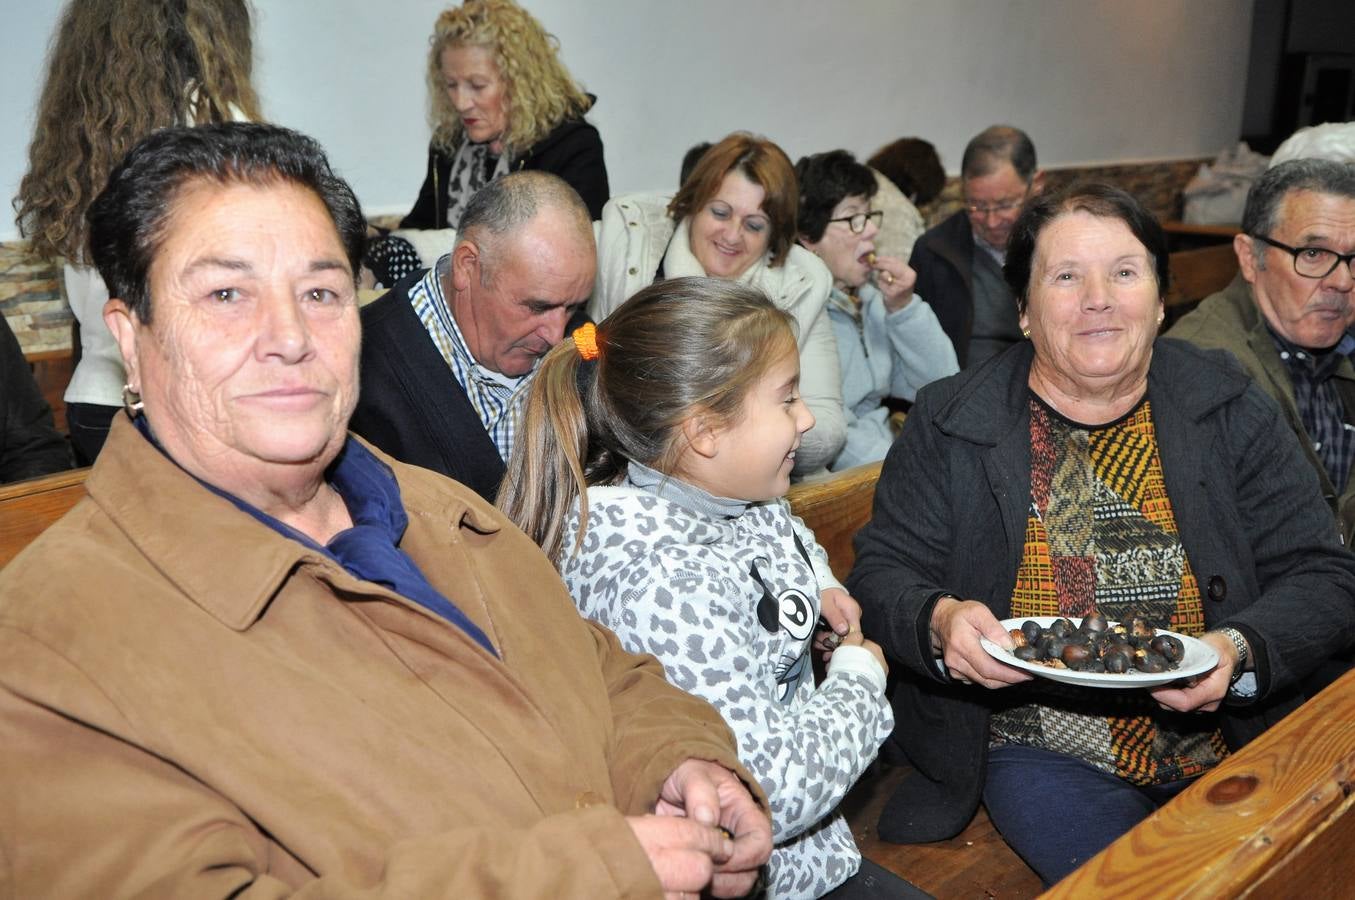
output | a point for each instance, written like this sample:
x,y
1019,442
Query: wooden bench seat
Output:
x,y
52,371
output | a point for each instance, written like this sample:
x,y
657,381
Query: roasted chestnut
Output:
x,y
1140,628
1149,661
1026,653
1116,661
1169,646
1076,656
1061,628
1032,631
1094,622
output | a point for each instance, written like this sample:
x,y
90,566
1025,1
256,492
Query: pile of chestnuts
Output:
x,y
1098,645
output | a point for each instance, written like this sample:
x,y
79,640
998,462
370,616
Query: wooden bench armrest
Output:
x,y
1272,820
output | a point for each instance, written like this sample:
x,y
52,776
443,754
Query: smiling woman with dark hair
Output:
x,y
1091,466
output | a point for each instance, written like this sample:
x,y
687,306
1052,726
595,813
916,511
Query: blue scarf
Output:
x,y
370,549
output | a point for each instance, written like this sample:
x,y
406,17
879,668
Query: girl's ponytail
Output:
x,y
545,475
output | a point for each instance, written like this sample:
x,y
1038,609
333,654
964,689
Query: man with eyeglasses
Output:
x,y
959,262
1284,317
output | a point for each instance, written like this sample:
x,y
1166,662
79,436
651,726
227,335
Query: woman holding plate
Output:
x,y
1094,466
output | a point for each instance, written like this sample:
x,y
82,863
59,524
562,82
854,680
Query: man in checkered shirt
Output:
x,y
1284,317
448,354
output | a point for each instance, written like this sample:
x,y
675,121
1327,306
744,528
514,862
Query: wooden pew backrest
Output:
x,y
1195,274
28,507
835,508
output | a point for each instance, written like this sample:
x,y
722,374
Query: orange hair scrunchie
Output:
x,y
586,341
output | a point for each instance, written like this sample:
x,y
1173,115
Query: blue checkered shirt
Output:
x,y
496,398
1323,414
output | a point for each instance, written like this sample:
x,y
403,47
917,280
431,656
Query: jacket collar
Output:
x,y
992,397
221,558
953,241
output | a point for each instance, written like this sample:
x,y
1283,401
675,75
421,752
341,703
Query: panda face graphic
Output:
x,y
788,610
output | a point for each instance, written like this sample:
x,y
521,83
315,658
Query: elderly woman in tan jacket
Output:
x,y
262,659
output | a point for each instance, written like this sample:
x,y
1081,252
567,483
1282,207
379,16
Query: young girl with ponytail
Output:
x,y
650,465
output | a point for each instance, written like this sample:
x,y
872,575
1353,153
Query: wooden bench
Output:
x,y
1195,274
1273,820
28,507
835,508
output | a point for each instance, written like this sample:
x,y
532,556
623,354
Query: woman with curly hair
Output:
x,y
500,100
118,70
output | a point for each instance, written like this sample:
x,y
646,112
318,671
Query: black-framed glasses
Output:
x,y
857,223
1312,262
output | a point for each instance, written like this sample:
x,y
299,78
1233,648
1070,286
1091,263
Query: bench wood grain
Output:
x,y
835,508
1195,274
1272,820
28,507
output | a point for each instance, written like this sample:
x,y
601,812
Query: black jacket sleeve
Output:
x,y
574,152
30,445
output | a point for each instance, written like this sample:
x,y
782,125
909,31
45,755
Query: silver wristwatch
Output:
x,y
1243,650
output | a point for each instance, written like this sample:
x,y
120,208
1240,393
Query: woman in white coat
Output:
x,y
734,217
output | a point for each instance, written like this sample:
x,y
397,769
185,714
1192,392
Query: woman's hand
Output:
x,y
1206,693
691,859
895,279
956,628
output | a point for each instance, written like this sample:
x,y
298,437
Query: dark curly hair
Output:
x,y
825,180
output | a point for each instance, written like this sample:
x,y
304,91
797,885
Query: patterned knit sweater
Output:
x,y
726,595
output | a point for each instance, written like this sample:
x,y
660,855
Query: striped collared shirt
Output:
x,y
496,398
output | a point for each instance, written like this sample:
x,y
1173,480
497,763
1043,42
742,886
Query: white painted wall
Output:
x,y
1092,81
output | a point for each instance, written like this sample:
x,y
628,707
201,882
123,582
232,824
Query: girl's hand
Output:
x,y
857,639
895,279
843,615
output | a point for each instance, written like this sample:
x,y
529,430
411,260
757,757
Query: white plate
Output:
x,y
1199,658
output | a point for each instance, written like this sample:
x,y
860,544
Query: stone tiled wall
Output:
x,y
1157,185
31,299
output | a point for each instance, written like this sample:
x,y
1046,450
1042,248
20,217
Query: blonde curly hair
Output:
x,y
118,70
539,91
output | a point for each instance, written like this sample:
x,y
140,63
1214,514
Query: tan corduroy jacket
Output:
x,y
192,705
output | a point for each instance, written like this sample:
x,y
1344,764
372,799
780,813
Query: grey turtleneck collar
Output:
x,y
672,488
